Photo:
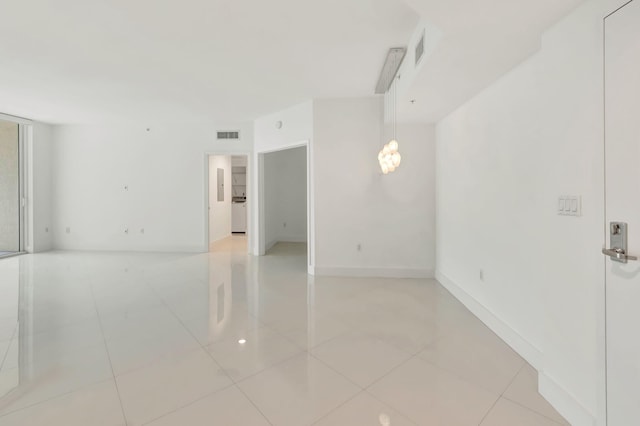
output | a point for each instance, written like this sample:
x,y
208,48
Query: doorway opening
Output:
x,y
11,189
228,199
285,201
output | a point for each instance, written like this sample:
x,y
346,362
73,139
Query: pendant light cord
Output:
x,y
395,106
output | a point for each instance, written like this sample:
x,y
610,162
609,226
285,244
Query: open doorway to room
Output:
x,y
11,219
228,198
285,201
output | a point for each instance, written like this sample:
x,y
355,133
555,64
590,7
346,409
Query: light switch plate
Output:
x,y
570,205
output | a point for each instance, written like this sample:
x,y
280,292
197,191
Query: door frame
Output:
x,y
25,187
250,194
260,240
602,385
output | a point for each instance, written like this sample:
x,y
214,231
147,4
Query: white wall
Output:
x,y
297,129
390,216
40,188
219,211
164,170
503,159
285,186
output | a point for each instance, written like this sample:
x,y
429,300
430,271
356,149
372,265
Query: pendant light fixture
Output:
x,y
389,157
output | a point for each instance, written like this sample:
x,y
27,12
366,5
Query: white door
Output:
x,y
622,166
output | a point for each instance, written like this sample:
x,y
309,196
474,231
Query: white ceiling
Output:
x,y
481,41
73,61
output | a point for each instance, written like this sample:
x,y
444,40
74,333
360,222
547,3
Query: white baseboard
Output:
x,y
564,402
511,337
220,239
270,245
292,238
559,398
286,239
340,271
135,249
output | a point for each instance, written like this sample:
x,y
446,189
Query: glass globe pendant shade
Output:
x,y
393,146
395,159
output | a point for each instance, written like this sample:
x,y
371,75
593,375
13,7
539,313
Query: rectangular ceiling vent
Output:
x,y
229,135
419,49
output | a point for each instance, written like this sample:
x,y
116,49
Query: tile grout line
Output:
x,y
233,381
6,354
385,402
521,404
254,404
391,406
335,371
55,397
276,364
106,348
489,411
229,386
189,331
501,394
362,389
392,370
532,410
324,416
51,398
302,351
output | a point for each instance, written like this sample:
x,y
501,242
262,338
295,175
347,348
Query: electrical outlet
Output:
x,y
142,230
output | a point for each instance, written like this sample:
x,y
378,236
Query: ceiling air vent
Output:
x,y
234,135
419,49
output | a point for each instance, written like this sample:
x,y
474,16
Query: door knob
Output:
x,y
618,242
618,255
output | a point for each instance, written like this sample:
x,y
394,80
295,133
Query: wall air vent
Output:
x,y
232,135
419,49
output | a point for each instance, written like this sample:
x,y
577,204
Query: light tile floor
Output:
x,y
224,338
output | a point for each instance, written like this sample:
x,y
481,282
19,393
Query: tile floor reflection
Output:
x,y
224,338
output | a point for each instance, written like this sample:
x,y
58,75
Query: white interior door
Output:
x,y
622,165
